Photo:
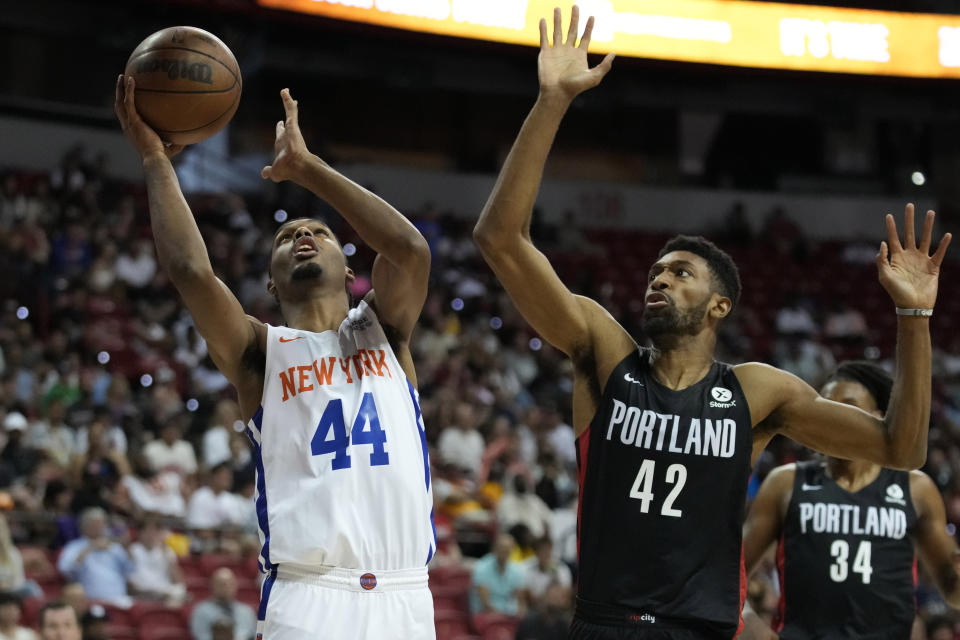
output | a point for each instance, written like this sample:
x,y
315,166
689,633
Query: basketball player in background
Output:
x,y
343,488
666,436
846,532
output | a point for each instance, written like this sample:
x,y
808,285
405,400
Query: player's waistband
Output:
x,y
611,615
355,579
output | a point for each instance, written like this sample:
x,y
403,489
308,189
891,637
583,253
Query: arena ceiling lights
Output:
x,y
726,32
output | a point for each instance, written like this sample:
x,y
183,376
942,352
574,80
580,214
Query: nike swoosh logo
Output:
x,y
629,378
811,487
290,339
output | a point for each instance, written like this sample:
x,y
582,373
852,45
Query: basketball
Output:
x,y
187,83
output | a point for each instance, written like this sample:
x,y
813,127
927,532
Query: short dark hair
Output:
x,y
9,597
722,266
871,375
54,605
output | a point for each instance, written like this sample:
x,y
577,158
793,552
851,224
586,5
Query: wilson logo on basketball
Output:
x,y
195,71
368,581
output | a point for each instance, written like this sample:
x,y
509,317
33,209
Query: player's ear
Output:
x,y
271,288
350,275
721,306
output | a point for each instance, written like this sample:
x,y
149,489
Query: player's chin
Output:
x,y
306,270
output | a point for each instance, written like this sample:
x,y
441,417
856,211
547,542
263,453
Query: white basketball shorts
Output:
x,y
330,603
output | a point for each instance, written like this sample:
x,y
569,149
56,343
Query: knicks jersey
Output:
x,y
663,477
846,560
343,478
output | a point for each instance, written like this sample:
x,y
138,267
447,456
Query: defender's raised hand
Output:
x,y
289,149
144,139
563,66
908,272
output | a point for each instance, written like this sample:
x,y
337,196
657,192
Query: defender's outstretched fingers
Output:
x,y
893,237
942,249
604,67
574,26
544,38
280,129
927,236
909,233
587,32
289,106
557,27
883,256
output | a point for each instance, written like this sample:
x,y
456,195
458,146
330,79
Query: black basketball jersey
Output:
x,y
846,560
663,477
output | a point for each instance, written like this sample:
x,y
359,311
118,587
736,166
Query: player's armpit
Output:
x,y
936,548
783,403
765,519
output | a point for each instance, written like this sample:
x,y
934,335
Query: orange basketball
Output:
x,y
187,83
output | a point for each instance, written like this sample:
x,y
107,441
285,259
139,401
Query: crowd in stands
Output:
x,y
126,478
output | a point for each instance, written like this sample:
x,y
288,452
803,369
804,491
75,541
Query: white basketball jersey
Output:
x,y
343,477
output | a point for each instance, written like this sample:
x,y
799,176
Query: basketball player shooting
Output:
x,y
847,531
666,436
343,488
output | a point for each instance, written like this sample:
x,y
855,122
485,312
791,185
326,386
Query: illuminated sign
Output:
x,y
728,32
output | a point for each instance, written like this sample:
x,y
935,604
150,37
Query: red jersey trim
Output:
x,y
583,449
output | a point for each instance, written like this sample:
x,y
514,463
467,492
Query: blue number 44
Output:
x,y
333,420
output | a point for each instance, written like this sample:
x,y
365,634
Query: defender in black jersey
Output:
x,y
845,533
666,435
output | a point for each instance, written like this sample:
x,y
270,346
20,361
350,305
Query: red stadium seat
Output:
x,y
450,623
484,621
120,617
452,576
501,630
212,562
149,615
122,632
39,563
29,610
250,595
163,633
450,598
192,566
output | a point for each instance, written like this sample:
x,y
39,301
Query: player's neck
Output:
x,y
318,314
852,475
679,363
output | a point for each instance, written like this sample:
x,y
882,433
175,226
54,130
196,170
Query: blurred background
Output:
x,y
118,428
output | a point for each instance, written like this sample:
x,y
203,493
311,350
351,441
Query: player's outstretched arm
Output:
x,y
937,548
219,318
760,530
402,266
787,405
503,231
765,519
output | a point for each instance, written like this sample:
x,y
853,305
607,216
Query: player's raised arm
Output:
x,y
219,318
402,266
503,231
787,405
937,548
